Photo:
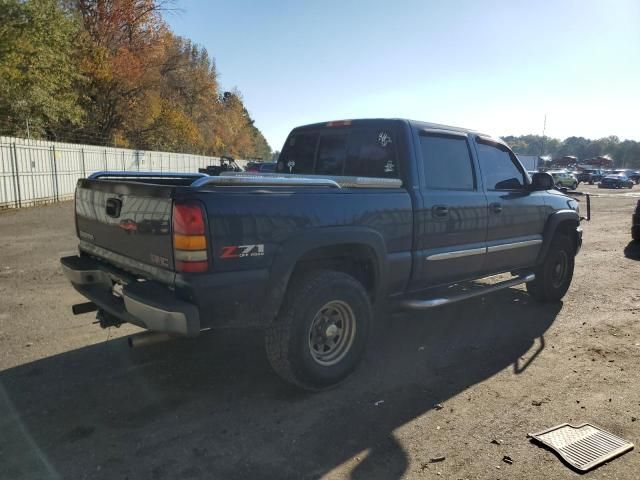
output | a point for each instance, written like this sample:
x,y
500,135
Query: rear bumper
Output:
x,y
149,305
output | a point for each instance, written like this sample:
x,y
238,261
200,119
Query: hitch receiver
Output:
x,y
106,320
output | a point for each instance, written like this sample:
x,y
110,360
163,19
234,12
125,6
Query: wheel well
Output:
x,y
357,260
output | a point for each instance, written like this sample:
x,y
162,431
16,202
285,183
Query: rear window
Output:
x,y
361,152
332,153
298,153
372,153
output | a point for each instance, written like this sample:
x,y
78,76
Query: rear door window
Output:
x,y
447,162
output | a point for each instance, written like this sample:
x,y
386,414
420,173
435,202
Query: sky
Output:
x,y
494,66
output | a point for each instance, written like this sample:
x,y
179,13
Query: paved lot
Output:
x,y
76,403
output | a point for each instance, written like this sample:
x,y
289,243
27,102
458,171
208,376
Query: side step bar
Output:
x,y
417,304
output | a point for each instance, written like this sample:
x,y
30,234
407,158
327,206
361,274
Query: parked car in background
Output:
x,y
616,181
562,178
590,176
630,174
635,223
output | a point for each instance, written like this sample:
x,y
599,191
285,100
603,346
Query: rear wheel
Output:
x,y
554,275
321,332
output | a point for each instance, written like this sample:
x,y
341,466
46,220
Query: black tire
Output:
x,y
289,339
554,275
574,186
635,233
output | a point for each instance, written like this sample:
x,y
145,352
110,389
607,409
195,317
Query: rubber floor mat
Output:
x,y
584,446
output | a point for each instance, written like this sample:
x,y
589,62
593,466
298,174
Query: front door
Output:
x,y
516,214
451,221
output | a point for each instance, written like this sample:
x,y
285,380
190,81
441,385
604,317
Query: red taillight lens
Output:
x,y
191,267
188,219
189,239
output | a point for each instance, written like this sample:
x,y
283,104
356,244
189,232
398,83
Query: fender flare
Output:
x,y
294,248
554,222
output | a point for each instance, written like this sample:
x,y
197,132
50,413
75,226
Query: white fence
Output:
x,y
34,172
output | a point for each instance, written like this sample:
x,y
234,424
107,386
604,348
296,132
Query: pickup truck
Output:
x,y
589,176
360,214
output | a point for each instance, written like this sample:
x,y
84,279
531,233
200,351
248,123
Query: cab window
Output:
x,y
500,169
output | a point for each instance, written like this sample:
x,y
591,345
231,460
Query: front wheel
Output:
x,y
554,275
320,334
574,186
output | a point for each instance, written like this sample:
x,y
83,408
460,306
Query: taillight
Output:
x,y
189,238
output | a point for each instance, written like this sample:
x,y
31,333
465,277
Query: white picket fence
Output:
x,y
33,172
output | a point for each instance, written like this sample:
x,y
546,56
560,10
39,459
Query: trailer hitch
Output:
x,y
106,320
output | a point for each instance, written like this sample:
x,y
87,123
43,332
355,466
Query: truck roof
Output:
x,y
372,122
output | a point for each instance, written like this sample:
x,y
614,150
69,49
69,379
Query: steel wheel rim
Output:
x,y
560,267
331,333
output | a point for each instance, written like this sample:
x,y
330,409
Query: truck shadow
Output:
x,y
632,250
212,408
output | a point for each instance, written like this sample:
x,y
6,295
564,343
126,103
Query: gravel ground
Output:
x,y
76,403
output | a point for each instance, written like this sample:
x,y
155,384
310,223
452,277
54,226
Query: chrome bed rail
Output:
x,y
126,174
342,181
258,179
264,181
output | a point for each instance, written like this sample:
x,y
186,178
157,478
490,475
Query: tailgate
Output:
x,y
126,218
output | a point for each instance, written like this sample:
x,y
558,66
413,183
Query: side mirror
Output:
x,y
542,181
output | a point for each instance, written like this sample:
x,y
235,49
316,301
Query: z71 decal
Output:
x,y
240,251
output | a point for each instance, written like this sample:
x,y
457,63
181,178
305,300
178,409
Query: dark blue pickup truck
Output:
x,y
359,213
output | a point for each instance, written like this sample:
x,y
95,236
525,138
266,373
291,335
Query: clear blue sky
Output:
x,y
495,66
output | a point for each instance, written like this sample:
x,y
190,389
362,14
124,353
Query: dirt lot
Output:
x,y
76,403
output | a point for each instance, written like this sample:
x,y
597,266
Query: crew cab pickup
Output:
x,y
359,214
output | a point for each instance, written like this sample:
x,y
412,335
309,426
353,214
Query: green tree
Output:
x,y
38,67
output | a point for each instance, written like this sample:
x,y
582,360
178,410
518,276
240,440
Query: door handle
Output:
x,y
496,207
440,211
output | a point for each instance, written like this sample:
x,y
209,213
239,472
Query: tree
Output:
x,y
112,72
38,67
625,154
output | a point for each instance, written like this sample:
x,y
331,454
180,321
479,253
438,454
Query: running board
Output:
x,y
417,304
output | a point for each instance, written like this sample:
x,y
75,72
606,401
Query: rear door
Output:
x,y
516,214
451,218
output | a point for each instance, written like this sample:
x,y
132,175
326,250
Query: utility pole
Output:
x,y
544,128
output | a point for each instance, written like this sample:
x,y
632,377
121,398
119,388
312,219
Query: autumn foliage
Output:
x,y
125,78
